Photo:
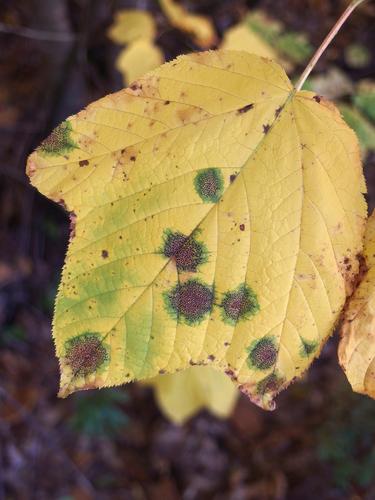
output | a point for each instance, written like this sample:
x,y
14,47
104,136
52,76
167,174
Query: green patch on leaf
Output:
x,y
59,142
308,348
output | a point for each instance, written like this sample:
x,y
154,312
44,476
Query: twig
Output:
x,y
49,36
328,39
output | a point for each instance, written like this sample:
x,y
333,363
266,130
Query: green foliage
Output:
x,y
99,413
346,440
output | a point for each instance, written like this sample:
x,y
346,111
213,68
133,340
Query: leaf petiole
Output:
x,y
328,39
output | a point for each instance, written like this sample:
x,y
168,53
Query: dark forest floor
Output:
x,y
115,444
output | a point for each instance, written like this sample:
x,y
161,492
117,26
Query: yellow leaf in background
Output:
x,y
183,394
130,25
139,58
199,27
217,216
240,37
357,345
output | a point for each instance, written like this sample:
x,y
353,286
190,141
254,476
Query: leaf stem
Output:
x,y
328,39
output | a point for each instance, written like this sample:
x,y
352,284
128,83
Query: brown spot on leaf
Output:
x,y
83,163
317,98
105,254
245,109
266,128
85,353
242,227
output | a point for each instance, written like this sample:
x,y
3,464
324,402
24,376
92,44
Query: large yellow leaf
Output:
x,y
183,394
357,345
217,218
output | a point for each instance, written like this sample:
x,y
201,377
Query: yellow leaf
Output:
x,y
200,27
357,345
183,394
138,58
217,219
240,37
130,25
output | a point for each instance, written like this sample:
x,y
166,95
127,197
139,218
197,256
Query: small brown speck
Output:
x,y
266,128
133,158
317,98
166,103
242,227
232,177
83,163
104,254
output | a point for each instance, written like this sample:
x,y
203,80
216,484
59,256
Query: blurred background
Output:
x,y
56,56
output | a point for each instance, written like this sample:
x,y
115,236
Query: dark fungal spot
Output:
x,y
245,109
242,227
166,103
133,158
85,354
232,178
308,348
209,185
240,303
186,251
317,98
105,254
270,384
278,111
266,128
59,141
190,301
262,354
83,163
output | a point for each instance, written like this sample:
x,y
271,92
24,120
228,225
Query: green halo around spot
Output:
x,y
239,304
85,353
190,301
59,142
262,354
308,348
187,252
209,184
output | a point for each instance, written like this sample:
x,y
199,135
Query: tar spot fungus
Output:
x,y
272,383
262,354
59,141
85,353
186,251
240,303
308,348
105,254
189,301
209,185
